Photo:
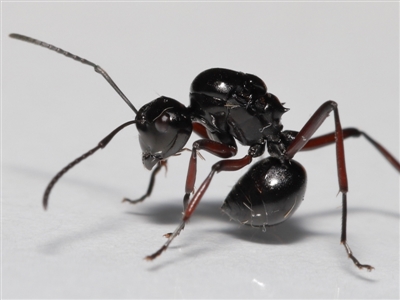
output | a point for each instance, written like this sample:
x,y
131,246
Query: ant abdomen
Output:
x,y
268,194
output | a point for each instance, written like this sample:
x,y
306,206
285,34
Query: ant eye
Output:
x,y
162,123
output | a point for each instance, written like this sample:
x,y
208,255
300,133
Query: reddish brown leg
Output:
x,y
302,140
216,148
329,138
223,165
200,130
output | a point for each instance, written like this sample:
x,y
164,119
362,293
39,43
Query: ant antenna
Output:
x,y
100,145
97,68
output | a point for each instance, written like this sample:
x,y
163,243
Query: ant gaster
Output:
x,y
228,106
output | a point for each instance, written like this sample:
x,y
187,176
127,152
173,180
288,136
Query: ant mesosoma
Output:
x,y
225,106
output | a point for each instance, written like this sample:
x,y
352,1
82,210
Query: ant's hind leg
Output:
x,y
304,137
329,138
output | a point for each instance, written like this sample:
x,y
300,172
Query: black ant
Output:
x,y
225,106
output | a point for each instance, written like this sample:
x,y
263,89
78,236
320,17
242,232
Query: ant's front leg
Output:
x,y
223,150
222,165
160,164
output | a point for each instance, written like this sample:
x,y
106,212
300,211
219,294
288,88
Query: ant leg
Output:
x,y
329,138
160,164
222,165
302,139
223,150
102,144
343,239
200,130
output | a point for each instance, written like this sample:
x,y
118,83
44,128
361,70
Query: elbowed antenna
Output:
x,y
102,144
97,68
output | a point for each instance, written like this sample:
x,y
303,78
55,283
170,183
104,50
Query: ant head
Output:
x,y
164,127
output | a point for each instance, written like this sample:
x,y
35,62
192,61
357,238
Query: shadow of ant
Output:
x,y
169,213
293,230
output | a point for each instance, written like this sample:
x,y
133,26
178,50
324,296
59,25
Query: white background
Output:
x,y
89,245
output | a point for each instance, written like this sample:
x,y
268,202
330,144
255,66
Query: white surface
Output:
x,y
89,245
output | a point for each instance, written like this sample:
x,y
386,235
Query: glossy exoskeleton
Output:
x,y
228,106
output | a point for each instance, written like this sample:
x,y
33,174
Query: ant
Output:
x,y
228,106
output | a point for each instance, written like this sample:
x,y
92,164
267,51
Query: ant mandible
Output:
x,y
225,106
